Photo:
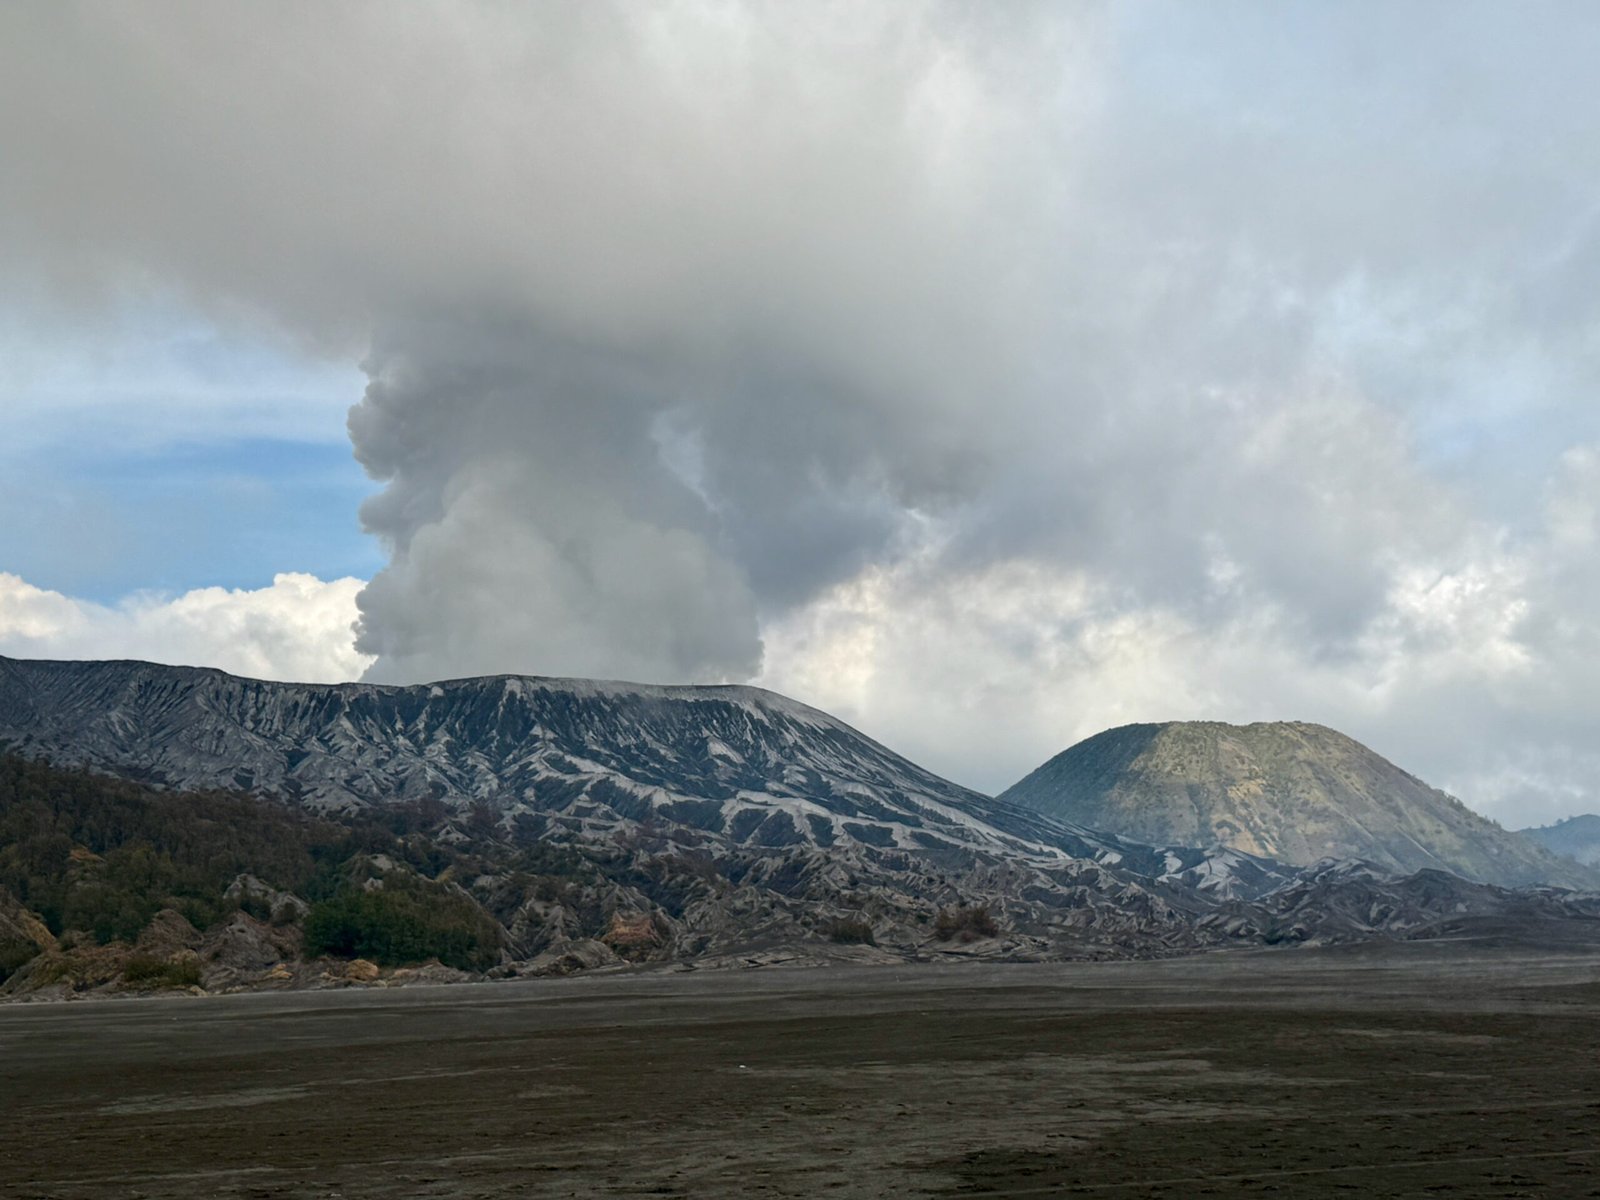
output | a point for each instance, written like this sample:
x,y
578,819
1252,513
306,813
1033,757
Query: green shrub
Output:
x,y
404,922
848,931
141,968
109,912
14,955
152,971
255,906
104,855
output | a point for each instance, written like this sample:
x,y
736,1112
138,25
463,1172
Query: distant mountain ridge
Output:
x,y
1577,838
109,886
590,819
559,757
583,751
1291,791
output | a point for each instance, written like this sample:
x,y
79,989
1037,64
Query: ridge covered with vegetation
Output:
x,y
96,859
109,885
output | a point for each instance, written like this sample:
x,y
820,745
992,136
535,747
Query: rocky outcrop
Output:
x,y
569,958
271,903
21,928
1348,902
24,939
242,951
432,972
168,935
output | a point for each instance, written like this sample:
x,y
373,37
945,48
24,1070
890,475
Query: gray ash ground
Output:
x,y
1463,1069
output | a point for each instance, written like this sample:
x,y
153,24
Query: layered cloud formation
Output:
x,y
990,374
297,629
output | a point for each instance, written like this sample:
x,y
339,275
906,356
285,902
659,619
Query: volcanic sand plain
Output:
x,y
1467,1068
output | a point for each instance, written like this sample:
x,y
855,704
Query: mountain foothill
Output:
x,y
171,828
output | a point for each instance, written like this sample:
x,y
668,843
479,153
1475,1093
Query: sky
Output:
x,y
986,374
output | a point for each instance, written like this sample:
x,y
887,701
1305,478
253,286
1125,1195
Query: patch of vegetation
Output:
x,y
80,970
14,955
102,855
406,921
148,970
105,855
850,931
965,924
52,970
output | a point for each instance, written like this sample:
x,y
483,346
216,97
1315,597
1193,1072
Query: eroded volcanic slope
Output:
x,y
582,821
570,757
1291,791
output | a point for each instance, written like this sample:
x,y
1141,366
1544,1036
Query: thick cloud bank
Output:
x,y
298,629
993,373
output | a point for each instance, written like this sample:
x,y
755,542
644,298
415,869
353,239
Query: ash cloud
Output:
x,y
530,520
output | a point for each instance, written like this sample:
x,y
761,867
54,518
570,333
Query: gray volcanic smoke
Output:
x,y
528,507
733,356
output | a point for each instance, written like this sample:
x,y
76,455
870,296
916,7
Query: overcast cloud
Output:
x,y
296,629
989,374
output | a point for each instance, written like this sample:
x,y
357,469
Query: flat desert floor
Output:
x,y
1465,1069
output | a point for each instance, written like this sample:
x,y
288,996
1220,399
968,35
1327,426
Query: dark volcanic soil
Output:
x,y
1467,1069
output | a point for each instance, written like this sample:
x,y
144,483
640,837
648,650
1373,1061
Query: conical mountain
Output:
x,y
1289,790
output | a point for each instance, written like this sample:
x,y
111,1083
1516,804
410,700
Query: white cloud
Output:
x,y
299,628
1473,669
